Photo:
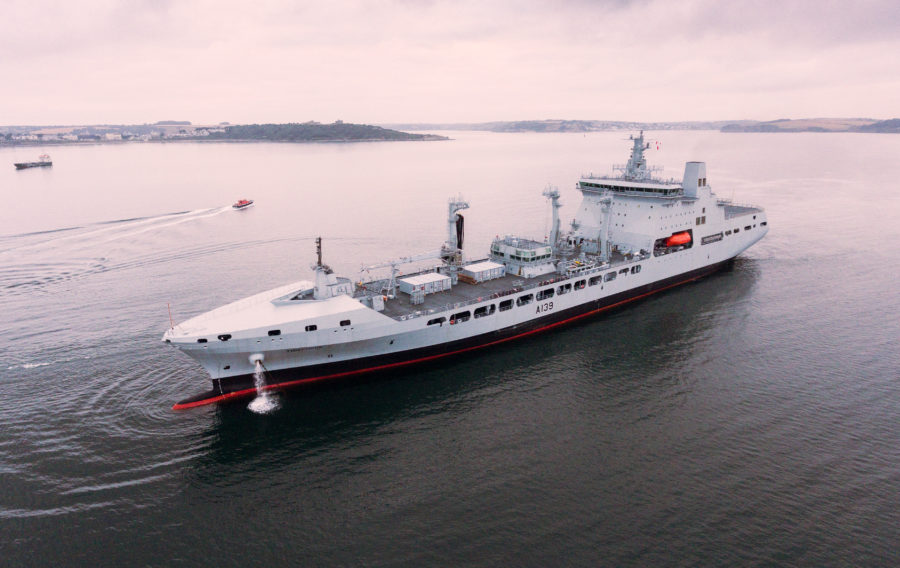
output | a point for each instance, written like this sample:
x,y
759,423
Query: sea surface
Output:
x,y
750,419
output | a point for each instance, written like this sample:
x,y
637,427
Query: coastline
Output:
x,y
33,143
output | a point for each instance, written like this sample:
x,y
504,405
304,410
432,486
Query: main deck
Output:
x,y
464,293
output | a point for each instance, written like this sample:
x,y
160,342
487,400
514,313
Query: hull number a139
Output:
x,y
545,307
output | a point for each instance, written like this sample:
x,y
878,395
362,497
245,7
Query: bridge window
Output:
x,y
544,294
312,327
635,269
524,300
345,323
437,321
225,337
580,285
202,340
595,280
564,289
274,332
609,276
505,305
747,228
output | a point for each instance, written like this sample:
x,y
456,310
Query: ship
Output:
x,y
632,236
43,162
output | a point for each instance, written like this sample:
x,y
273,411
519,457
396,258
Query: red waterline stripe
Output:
x,y
248,392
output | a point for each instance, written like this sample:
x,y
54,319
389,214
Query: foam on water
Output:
x,y
264,403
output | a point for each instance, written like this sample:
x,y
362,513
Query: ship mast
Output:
x,y
637,166
636,169
451,252
325,278
552,193
454,223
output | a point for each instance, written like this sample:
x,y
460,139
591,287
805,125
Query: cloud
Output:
x,y
379,61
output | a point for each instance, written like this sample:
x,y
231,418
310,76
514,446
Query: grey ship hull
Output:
x,y
241,386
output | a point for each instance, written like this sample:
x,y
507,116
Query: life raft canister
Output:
x,y
678,239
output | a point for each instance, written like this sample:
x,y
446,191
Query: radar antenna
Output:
x,y
636,168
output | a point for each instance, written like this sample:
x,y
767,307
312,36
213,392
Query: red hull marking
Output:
x,y
248,392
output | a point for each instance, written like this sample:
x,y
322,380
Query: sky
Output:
x,y
382,61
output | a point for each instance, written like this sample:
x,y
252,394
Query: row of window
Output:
x,y
659,190
746,228
610,276
527,259
314,327
273,332
716,237
541,295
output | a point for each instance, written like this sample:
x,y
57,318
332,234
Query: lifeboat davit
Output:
x,y
678,239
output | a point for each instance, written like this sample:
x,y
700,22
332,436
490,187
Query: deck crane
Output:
x,y
391,287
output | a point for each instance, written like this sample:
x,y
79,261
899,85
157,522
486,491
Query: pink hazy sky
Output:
x,y
102,61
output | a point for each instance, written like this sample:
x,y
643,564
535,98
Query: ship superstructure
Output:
x,y
631,236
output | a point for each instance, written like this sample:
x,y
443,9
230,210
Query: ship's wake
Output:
x,y
35,261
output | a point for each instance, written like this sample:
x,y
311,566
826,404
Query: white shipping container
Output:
x,y
430,283
482,271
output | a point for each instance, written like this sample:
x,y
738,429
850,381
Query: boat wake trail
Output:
x,y
33,261
169,222
117,229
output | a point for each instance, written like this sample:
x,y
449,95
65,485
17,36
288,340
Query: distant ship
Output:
x,y
633,235
43,162
242,204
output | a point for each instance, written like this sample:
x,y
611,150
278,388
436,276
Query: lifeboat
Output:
x,y
678,239
242,204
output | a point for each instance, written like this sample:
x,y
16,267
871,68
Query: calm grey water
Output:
x,y
752,418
